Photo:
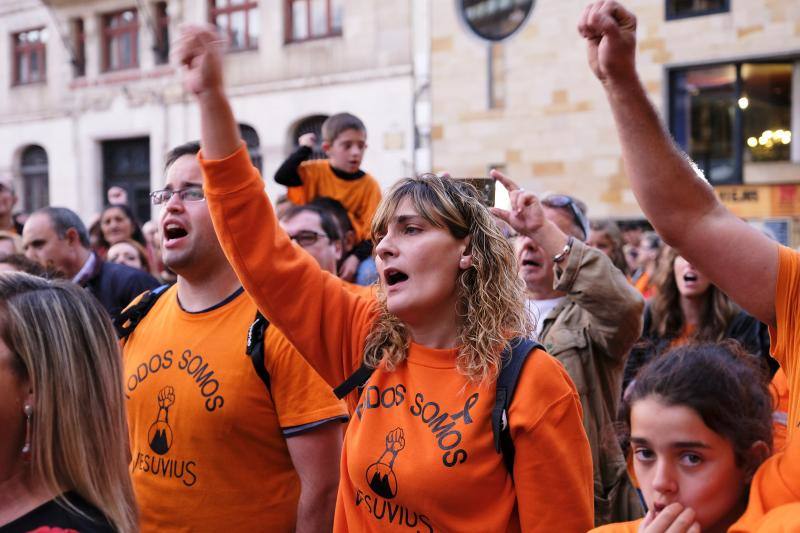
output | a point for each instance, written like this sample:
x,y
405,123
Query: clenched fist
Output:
x,y
166,397
395,441
610,32
199,50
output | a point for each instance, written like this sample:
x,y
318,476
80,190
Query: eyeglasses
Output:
x,y
563,201
187,194
307,238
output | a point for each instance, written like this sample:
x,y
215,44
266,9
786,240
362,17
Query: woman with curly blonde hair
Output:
x,y
419,453
64,452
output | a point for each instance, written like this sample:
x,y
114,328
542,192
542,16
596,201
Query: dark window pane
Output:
x,y
767,112
682,8
704,103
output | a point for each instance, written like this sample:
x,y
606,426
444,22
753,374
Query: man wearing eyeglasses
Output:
x,y
222,440
588,316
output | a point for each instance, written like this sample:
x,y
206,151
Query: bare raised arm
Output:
x,y
679,203
199,50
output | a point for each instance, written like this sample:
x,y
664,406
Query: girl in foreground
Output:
x,y
419,452
699,422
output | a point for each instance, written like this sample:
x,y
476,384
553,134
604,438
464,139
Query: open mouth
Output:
x,y
530,262
394,276
690,277
657,508
174,231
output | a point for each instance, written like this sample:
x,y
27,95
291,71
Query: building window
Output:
x,y
313,19
120,40
34,170
29,56
161,37
238,20
78,48
693,8
728,117
250,138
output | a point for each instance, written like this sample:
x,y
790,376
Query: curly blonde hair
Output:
x,y
491,296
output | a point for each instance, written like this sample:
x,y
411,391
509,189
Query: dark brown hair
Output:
x,y
665,306
337,124
720,382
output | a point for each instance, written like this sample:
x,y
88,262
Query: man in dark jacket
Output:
x,y
56,238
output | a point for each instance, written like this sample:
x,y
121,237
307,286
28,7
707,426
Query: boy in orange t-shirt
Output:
x,y
339,177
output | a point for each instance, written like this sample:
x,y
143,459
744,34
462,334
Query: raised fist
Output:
x,y
610,32
307,139
199,50
395,441
166,397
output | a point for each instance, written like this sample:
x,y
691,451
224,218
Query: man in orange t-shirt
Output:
x,y
757,273
218,444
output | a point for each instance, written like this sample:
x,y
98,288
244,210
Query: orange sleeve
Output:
x,y
325,322
776,485
785,338
551,450
299,394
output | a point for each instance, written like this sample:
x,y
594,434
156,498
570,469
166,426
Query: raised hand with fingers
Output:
x,y
610,33
307,139
199,50
526,215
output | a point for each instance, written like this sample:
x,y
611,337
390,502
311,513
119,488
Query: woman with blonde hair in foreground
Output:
x,y
64,451
419,452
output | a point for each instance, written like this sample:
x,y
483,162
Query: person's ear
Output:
x,y
326,146
758,453
337,247
465,261
72,237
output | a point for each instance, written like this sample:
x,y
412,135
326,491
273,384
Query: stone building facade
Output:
x,y
722,73
89,99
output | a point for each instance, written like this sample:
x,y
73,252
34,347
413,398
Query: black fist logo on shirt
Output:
x,y
380,475
160,434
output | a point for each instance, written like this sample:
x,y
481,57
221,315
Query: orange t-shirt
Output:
x,y
775,490
359,196
619,527
208,440
418,453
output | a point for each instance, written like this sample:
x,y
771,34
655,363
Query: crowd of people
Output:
x,y
412,360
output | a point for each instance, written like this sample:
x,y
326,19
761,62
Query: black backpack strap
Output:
x,y
357,379
255,347
514,355
128,319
